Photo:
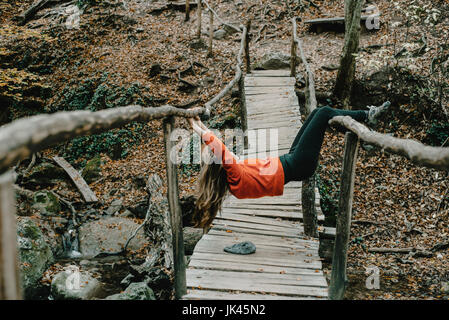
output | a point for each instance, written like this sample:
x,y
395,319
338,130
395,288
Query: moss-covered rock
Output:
x,y
46,202
135,291
35,255
92,170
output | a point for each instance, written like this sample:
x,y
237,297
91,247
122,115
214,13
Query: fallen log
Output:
x,y
29,13
391,250
38,5
77,179
412,251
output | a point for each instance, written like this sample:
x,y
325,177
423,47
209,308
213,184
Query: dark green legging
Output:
x,y
301,161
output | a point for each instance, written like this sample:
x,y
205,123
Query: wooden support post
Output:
x,y
293,56
339,280
211,32
9,271
175,213
187,18
310,216
247,59
198,31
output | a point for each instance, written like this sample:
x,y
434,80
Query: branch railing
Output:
x,y
23,137
416,152
310,216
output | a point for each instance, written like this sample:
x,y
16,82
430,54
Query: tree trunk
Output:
x,y
346,72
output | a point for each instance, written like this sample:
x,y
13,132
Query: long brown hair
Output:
x,y
212,190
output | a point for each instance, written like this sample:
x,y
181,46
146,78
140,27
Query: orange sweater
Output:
x,y
251,178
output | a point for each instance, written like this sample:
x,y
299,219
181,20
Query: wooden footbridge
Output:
x,y
286,264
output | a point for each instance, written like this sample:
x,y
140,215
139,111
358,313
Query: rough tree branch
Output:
x,y
21,138
434,157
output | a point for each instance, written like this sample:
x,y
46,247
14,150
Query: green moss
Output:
x,y
46,202
437,133
92,170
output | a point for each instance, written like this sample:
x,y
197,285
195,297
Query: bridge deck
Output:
x,y
286,264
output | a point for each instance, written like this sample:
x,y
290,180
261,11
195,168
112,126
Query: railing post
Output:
x,y
9,272
247,59
175,213
187,18
293,55
199,8
211,32
339,280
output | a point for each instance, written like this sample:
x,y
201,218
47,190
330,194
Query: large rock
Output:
x,y
135,291
273,61
109,235
46,203
114,207
220,34
72,284
34,253
92,170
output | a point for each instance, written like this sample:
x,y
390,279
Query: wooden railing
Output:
x,y
23,137
309,213
418,153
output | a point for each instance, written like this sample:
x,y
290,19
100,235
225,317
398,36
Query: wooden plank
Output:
x,y
257,231
289,194
280,262
270,92
179,265
258,227
279,241
295,215
255,219
269,82
269,73
277,118
195,294
268,243
230,284
252,267
301,254
88,194
286,201
265,98
258,206
311,280
265,213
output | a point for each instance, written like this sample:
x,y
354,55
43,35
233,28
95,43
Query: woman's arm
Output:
x,y
197,127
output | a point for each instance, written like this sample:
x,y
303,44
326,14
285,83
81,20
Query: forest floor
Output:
x,y
120,46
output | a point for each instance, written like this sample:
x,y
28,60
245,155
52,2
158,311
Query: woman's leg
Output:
x,y
301,130
302,161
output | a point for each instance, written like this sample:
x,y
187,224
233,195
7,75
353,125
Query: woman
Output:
x,y
255,178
